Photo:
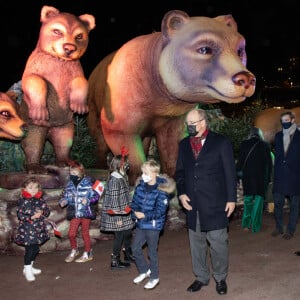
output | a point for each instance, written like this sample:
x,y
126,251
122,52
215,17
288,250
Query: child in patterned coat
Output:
x,y
116,215
32,230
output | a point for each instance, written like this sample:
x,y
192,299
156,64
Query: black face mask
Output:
x,y
191,129
75,179
286,125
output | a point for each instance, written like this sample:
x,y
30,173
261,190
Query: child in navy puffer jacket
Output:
x,y
149,208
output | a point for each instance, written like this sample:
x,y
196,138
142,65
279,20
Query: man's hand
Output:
x,y
230,206
185,201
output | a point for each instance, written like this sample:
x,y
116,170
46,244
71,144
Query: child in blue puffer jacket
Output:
x,y
149,208
79,197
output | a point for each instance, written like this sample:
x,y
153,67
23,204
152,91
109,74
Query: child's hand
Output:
x,y
119,223
139,215
84,201
37,214
63,203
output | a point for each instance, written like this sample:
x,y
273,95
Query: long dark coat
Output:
x,y
258,167
209,181
287,168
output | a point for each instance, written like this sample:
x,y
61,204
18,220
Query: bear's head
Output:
x,y
64,35
12,127
204,59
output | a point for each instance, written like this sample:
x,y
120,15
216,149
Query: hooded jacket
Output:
x,y
153,201
75,195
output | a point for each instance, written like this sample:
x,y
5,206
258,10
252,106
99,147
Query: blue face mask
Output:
x,y
286,125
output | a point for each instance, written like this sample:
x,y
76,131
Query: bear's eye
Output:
x,y
6,114
57,32
79,36
205,50
240,52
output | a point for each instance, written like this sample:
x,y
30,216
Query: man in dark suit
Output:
x,y
287,175
206,186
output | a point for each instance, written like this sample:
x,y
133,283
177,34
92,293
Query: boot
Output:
x,y
35,271
116,263
28,273
128,256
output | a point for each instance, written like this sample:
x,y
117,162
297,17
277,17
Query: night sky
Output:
x,y
271,30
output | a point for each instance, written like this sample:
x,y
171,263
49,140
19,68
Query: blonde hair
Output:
x,y
152,164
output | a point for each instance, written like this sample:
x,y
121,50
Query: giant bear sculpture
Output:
x,y
54,85
144,89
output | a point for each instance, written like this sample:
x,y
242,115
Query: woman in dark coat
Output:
x,y
255,161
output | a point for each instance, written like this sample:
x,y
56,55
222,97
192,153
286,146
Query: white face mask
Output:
x,y
146,178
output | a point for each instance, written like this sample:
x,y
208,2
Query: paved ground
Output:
x,y
261,267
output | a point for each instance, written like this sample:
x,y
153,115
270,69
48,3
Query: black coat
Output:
x,y
258,167
209,181
287,168
30,231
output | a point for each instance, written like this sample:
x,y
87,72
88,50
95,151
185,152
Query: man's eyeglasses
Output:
x,y
193,123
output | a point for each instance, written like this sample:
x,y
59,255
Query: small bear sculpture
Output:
x,y
54,86
12,127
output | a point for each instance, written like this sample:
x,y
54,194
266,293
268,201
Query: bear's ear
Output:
x,y
88,21
12,95
228,20
48,12
173,21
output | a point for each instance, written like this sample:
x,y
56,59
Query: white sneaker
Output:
x,y
35,271
151,284
141,277
72,255
86,256
28,273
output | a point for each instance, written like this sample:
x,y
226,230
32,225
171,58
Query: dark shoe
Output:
x,y
287,236
117,264
221,287
297,253
196,286
276,233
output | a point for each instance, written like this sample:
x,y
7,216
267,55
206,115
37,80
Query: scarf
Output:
x,y
287,136
196,143
27,195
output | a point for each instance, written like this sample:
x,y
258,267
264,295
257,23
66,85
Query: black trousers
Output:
x,y
31,251
121,237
